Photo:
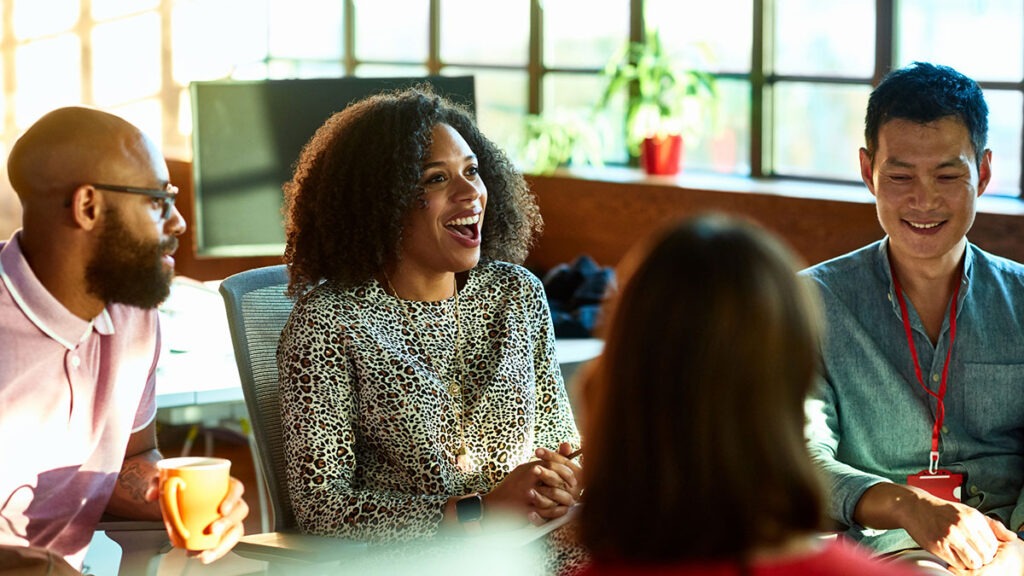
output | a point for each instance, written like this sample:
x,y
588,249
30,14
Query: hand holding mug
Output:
x,y
202,505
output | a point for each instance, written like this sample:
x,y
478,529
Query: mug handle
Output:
x,y
170,497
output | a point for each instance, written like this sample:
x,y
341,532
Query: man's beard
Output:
x,y
127,270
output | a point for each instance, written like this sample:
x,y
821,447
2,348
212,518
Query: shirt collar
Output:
x,y
882,256
39,306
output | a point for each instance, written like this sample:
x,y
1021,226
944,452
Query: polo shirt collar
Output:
x,y
39,306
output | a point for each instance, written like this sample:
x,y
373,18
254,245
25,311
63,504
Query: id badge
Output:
x,y
943,484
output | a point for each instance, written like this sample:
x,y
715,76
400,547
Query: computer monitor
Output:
x,y
246,137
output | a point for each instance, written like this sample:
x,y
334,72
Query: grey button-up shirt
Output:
x,y
869,420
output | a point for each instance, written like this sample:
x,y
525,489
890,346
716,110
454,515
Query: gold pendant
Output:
x,y
462,459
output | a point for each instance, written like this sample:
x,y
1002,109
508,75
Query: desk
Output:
x,y
197,362
147,553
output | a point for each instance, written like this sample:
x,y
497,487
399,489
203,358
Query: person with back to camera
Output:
x,y
79,335
918,419
418,370
709,352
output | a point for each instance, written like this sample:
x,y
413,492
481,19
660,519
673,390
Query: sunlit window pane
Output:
x,y
306,29
573,98
3,100
818,129
383,36
571,41
724,43
36,94
146,114
126,59
825,37
305,69
106,9
214,37
572,91
35,18
250,71
984,39
1004,139
383,71
723,143
500,38
180,142
500,102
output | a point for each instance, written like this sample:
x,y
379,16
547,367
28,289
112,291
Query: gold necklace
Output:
x,y
454,389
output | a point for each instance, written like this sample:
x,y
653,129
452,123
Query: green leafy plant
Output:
x,y
560,139
663,96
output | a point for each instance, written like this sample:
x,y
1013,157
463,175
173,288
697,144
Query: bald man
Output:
x,y
79,333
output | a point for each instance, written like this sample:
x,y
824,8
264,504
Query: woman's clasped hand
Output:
x,y
537,491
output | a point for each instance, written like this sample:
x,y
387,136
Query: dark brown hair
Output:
x,y
357,178
923,92
694,412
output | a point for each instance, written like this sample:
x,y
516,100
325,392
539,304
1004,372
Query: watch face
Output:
x,y
470,508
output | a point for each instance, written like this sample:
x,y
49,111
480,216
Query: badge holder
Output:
x,y
939,483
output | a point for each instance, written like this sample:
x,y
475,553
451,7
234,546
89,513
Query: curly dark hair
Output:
x,y
923,92
357,178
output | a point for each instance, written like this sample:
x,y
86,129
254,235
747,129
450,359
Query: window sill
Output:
x,y
786,187
604,211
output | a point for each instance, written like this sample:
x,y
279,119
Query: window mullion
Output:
x,y
885,30
84,33
434,39
349,15
760,117
535,64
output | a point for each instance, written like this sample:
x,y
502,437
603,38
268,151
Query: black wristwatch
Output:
x,y
470,510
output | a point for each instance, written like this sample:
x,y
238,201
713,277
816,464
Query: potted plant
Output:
x,y
559,139
659,90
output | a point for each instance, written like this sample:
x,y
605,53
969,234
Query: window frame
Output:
x,y
760,77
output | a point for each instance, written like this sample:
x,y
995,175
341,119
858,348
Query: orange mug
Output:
x,y
191,491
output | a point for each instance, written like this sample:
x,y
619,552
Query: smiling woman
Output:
x,y
420,390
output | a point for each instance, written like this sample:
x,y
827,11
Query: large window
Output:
x,y
792,76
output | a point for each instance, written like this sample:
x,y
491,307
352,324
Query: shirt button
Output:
x,y
935,377
973,490
76,361
945,429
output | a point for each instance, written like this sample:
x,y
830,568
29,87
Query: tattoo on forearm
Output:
x,y
134,480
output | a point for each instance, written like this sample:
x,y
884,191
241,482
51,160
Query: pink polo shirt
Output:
x,y
71,393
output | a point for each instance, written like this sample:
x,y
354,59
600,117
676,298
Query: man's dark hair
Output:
x,y
923,93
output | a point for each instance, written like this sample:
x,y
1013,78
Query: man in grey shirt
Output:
x,y
918,421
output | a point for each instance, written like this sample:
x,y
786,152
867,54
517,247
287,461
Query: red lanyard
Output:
x,y
940,412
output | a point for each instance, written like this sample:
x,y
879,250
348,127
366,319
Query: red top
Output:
x,y
834,559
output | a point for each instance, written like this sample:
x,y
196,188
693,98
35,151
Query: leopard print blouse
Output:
x,y
370,426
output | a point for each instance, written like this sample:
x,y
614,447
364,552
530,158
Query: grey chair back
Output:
x,y
257,310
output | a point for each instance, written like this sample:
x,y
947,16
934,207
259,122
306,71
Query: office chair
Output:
x,y
257,310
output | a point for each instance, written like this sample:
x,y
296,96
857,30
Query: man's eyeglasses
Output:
x,y
166,195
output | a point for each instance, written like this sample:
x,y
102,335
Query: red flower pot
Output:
x,y
662,154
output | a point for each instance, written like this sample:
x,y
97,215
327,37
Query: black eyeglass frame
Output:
x,y
167,194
